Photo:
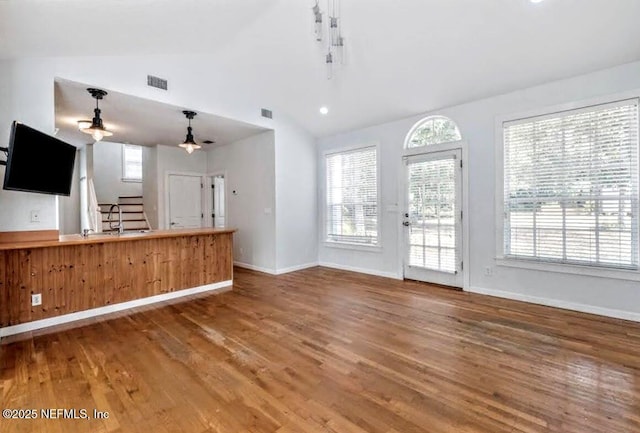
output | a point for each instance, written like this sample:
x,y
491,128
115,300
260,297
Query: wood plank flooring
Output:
x,y
322,350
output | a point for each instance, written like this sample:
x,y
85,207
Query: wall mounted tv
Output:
x,y
37,162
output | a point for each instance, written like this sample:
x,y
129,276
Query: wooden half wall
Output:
x,y
81,276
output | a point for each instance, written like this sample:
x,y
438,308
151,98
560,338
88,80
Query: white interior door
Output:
x,y
218,201
433,218
185,201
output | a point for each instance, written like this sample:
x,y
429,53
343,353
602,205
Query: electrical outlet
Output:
x,y
35,216
241,251
488,271
36,299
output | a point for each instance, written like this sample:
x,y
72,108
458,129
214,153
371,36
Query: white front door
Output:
x,y
218,201
433,218
185,201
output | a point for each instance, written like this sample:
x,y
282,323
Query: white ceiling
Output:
x,y
404,57
139,121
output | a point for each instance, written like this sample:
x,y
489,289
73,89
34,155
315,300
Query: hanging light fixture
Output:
x,y
335,41
95,128
189,144
317,21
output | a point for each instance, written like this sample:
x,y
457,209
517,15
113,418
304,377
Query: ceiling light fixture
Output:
x,y
324,110
335,41
95,128
189,144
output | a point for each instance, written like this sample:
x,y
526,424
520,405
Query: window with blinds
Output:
x,y
131,163
352,197
571,186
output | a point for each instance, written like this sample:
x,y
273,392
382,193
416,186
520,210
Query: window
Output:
x,y
433,130
571,186
352,197
131,163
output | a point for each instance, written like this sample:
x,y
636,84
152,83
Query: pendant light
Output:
x,y
189,144
96,129
335,42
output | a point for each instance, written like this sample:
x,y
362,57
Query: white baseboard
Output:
x,y
565,305
296,268
276,271
254,268
361,270
86,314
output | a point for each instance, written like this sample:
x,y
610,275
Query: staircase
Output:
x,y
133,216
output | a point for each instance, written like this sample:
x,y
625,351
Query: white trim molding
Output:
x,y
94,312
254,268
296,268
563,268
557,303
275,271
393,275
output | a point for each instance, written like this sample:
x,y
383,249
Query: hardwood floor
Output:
x,y
322,350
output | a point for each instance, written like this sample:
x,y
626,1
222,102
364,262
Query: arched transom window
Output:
x,y
433,130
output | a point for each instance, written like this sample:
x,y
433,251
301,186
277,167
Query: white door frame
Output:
x,y
167,198
402,202
209,198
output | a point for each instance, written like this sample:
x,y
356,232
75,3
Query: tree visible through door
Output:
x,y
433,218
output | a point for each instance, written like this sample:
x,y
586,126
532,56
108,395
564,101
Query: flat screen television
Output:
x,y
37,162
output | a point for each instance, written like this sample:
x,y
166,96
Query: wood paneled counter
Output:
x,y
75,274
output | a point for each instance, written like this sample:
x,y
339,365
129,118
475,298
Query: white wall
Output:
x,y
296,196
27,98
69,207
107,174
150,184
477,123
249,165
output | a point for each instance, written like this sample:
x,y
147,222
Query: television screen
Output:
x,y
38,162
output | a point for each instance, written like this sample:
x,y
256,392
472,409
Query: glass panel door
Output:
x,y
433,218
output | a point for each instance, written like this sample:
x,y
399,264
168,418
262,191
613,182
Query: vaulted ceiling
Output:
x,y
403,57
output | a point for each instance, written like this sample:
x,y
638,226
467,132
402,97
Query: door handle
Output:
x,y
173,224
406,223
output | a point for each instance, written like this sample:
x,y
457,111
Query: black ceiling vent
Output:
x,y
267,113
156,82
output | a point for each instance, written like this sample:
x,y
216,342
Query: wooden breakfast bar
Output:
x,y
83,277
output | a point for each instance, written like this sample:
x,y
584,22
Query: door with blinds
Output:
x,y
433,218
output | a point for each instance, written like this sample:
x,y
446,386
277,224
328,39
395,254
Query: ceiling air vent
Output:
x,y
267,113
156,82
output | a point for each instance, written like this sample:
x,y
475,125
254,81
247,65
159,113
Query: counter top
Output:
x,y
99,238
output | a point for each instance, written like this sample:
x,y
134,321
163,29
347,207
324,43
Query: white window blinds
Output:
x,y
571,186
352,197
131,162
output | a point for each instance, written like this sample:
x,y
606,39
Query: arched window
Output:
x,y
433,130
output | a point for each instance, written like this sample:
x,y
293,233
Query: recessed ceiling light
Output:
x,y
324,110
536,1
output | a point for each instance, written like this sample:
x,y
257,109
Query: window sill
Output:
x,y
357,247
592,271
132,180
